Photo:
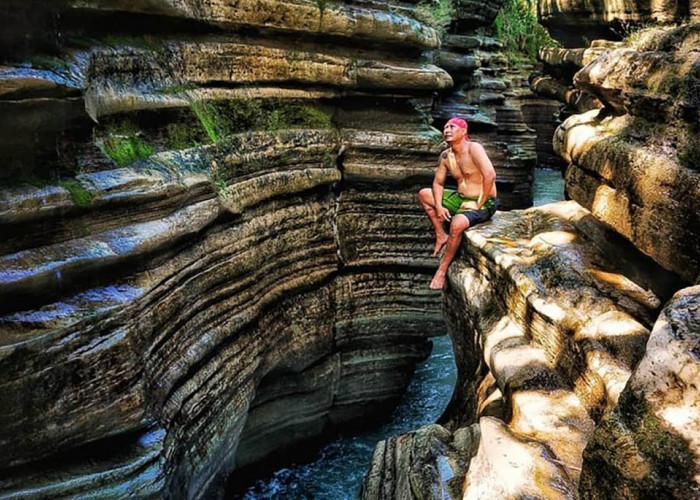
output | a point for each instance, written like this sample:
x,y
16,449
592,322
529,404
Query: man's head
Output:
x,y
455,130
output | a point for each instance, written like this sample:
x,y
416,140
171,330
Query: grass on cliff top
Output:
x,y
437,14
517,27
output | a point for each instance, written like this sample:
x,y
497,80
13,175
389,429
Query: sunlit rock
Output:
x,y
548,322
649,445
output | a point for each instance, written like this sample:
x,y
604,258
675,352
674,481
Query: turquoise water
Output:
x,y
338,471
548,186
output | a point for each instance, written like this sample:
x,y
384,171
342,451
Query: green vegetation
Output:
x,y
210,118
436,13
42,61
81,196
321,7
328,159
179,136
670,458
124,146
221,119
518,29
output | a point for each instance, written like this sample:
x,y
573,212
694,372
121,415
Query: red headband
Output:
x,y
459,122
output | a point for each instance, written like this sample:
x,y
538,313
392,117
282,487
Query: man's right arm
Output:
x,y
438,186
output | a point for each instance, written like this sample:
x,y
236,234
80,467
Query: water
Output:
x,y
337,473
548,186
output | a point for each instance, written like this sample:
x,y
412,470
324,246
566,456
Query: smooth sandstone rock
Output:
x,y
332,18
548,324
622,170
649,444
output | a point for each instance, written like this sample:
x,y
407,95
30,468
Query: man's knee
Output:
x,y
425,195
458,225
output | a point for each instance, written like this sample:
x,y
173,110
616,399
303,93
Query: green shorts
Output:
x,y
452,201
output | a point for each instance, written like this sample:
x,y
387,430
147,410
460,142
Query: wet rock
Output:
x,y
422,464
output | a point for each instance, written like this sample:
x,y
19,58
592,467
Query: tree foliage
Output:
x,y
517,27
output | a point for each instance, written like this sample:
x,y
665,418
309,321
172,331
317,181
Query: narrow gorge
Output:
x,y
213,253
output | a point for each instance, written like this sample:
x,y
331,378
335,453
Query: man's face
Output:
x,y
453,132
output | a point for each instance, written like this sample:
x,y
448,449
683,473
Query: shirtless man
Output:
x,y
473,199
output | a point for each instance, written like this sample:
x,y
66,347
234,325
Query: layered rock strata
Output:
x,y
548,324
230,261
488,94
572,22
634,164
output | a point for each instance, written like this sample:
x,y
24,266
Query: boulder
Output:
x,y
649,445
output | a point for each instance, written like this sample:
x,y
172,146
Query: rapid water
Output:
x,y
338,471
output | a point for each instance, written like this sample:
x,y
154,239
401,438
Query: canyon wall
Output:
x,y
212,248
574,324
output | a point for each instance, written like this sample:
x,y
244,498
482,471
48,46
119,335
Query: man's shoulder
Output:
x,y
443,155
475,146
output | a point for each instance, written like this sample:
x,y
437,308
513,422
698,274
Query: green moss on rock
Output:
x,y
81,196
123,145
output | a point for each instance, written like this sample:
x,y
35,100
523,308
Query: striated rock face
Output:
x,y
648,446
573,21
491,96
215,251
634,164
548,323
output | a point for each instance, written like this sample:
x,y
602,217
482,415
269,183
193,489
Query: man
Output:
x,y
470,200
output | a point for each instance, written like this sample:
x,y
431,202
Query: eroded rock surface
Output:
x,y
548,324
634,164
649,445
216,252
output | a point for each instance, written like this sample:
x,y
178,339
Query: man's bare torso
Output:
x,y
464,171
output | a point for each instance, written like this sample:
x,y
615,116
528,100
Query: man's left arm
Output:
x,y
488,174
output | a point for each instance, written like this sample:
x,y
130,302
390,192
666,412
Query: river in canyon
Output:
x,y
337,472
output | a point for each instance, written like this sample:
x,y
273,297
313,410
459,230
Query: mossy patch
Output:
x,y
328,159
81,196
127,149
669,456
183,135
50,62
221,119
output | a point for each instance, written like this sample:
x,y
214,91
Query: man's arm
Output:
x,y
438,186
488,174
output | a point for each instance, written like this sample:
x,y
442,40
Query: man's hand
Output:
x,y
443,214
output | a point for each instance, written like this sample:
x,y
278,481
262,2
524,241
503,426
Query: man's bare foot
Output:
x,y
439,243
438,281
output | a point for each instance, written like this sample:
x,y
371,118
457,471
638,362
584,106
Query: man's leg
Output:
x,y
459,224
425,196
